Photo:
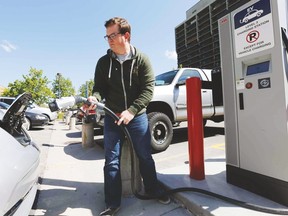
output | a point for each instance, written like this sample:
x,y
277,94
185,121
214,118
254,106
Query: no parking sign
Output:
x,y
253,29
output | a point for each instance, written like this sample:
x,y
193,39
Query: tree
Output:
x,y
86,89
14,89
33,83
62,87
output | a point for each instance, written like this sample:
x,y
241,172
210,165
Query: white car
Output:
x,y
19,161
42,110
33,108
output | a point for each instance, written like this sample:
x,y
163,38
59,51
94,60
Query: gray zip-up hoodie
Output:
x,y
127,85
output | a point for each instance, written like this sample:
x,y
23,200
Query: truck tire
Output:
x,y
161,131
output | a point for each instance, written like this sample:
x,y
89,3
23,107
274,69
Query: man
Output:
x,y
124,78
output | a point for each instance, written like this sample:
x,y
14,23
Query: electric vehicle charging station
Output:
x,y
255,88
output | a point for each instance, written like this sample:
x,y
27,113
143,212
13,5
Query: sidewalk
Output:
x,y
72,182
215,181
177,176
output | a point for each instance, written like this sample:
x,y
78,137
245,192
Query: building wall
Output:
x,y
197,38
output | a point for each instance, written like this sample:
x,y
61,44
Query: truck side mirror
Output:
x,y
180,83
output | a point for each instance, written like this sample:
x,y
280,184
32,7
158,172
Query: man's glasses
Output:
x,y
111,36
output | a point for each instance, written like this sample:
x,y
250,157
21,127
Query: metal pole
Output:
x,y
195,128
87,91
59,76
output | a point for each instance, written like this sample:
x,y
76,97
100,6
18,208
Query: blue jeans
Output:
x,y
113,141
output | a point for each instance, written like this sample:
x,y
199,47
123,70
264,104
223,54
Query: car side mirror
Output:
x,y
180,83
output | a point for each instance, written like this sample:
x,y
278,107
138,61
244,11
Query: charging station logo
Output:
x,y
251,13
264,83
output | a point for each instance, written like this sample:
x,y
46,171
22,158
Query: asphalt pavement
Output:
x,y
71,178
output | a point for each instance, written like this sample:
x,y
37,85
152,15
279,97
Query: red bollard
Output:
x,y
195,128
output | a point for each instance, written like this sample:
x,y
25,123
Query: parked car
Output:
x,y
4,106
31,119
7,100
33,107
19,161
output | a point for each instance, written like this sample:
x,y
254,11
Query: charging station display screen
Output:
x,y
258,68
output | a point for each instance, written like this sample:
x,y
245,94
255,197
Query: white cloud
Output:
x,y
171,54
7,46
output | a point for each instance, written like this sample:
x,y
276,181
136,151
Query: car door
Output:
x,y
181,102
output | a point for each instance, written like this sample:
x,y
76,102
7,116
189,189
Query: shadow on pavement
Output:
x,y
77,151
212,131
201,198
181,134
74,134
37,128
65,195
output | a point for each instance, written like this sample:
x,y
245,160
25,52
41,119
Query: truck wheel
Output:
x,y
161,131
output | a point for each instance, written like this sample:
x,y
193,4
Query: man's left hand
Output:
x,y
125,117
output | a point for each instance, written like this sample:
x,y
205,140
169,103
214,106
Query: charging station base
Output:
x,y
271,188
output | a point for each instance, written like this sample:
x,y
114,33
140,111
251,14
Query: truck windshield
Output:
x,y
165,78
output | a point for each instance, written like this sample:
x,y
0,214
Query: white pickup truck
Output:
x,y
168,107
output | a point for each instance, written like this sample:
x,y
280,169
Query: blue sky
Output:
x,y
66,36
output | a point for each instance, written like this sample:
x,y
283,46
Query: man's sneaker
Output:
x,y
164,200
109,211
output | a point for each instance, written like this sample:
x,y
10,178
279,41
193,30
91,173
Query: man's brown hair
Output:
x,y
123,24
